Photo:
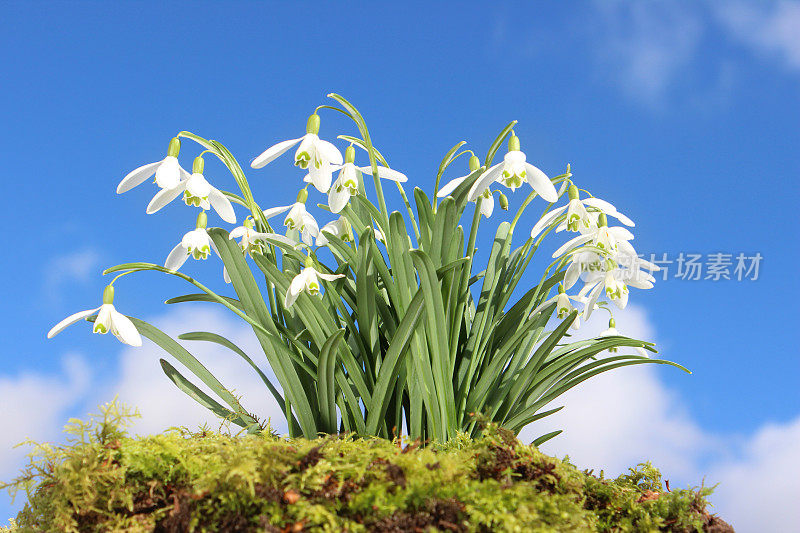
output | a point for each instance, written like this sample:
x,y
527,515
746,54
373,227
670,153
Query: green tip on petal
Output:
x,y
312,126
108,294
174,147
197,166
474,163
350,154
513,143
202,220
302,196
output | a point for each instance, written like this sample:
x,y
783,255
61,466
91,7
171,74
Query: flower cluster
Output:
x,y
600,256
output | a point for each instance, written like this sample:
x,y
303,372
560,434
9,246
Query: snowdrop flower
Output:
x,y
195,243
298,218
580,262
108,319
581,215
487,199
313,154
612,332
614,285
512,172
563,306
168,171
306,281
608,240
347,184
252,241
196,191
338,228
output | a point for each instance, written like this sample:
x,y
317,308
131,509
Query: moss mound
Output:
x,y
103,480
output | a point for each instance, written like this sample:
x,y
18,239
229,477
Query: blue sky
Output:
x,y
684,115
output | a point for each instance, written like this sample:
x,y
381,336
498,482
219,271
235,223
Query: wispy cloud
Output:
x,y
77,266
771,29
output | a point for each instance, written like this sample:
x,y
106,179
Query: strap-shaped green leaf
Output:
x,y
326,384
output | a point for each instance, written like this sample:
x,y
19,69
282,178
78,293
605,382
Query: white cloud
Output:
x,y
769,28
33,406
624,417
759,487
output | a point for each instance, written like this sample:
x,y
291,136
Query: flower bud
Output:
x,y
312,125
513,143
503,201
573,193
474,163
612,323
174,147
350,154
302,196
197,166
202,220
108,294
602,220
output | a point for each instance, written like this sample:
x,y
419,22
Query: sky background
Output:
x,y
683,114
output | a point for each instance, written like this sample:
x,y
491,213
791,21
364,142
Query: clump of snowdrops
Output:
x,y
380,323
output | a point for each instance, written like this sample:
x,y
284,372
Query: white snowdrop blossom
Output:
x,y
607,240
579,215
196,243
512,172
307,281
348,182
168,171
486,197
298,218
108,320
563,306
338,228
315,155
252,241
612,332
197,191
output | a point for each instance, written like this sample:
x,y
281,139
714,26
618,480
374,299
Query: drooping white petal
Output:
x,y
222,205
137,177
546,220
321,178
543,305
338,198
487,205
124,330
177,257
389,174
572,274
295,287
329,152
329,277
237,232
163,197
572,243
450,186
540,183
591,301
272,211
168,173
225,275
273,152
484,181
71,319
620,233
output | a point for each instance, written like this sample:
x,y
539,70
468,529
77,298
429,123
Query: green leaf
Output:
x,y
326,384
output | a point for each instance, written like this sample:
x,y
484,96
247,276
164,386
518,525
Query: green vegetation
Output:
x,y
104,480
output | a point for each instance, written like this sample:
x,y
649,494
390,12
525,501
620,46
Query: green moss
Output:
x,y
103,480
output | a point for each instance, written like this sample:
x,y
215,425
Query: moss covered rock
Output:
x,y
103,480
